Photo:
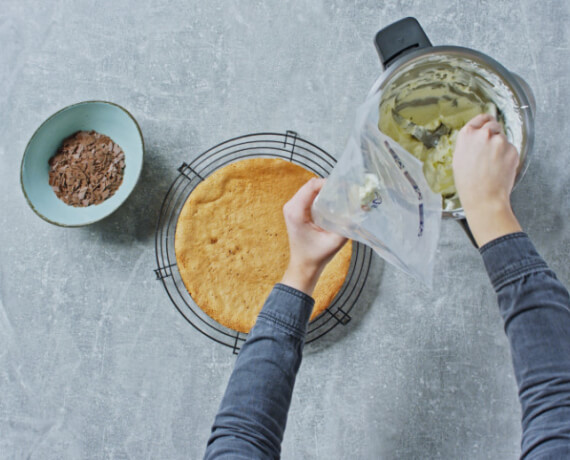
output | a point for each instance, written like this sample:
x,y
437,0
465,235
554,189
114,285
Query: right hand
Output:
x,y
485,167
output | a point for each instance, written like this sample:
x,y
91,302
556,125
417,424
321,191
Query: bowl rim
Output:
x,y
59,224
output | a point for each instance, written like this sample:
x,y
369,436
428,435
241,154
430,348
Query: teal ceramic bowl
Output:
x,y
104,117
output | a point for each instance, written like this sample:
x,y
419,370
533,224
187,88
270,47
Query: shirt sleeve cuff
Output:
x,y
509,258
289,309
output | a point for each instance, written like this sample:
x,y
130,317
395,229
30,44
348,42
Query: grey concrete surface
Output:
x,y
96,363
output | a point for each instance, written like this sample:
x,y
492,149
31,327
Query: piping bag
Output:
x,y
377,194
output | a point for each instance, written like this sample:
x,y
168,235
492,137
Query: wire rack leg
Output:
x,y
186,170
290,139
236,348
341,316
164,272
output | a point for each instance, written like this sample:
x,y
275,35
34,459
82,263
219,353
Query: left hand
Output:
x,y
310,247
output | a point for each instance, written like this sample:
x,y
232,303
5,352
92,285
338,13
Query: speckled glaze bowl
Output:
x,y
104,117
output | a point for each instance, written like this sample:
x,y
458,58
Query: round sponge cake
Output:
x,y
231,241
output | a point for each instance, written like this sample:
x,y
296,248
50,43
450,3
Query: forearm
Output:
x,y
491,220
253,413
535,308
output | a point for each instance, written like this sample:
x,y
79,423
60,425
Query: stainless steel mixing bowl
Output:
x,y
406,52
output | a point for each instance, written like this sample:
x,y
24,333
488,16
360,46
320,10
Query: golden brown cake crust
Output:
x,y
231,241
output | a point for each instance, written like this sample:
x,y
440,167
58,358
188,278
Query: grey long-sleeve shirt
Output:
x,y
535,308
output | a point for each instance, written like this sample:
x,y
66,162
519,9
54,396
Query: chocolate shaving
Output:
x,y
87,169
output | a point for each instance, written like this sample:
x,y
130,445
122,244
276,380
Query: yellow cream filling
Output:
x,y
419,113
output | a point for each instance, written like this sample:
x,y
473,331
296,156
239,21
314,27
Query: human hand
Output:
x,y
484,168
310,247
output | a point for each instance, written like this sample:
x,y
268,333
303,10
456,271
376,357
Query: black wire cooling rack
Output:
x,y
290,147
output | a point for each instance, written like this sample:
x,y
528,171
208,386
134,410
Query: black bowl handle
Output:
x,y
400,38
467,230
